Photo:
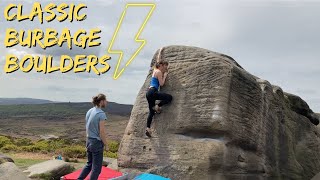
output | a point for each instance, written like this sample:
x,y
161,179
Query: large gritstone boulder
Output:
x,y
223,123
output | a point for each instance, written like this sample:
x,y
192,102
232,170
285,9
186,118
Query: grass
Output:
x,y
57,118
58,110
25,160
48,110
25,163
68,148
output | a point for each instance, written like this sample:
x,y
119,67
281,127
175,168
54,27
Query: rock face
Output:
x,y
110,163
52,169
223,123
9,170
4,158
316,177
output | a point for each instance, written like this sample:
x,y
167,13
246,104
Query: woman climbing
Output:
x,y
158,79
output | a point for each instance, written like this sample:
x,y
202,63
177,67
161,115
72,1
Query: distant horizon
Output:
x,y
54,101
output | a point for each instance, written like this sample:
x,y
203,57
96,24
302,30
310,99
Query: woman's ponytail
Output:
x,y
158,60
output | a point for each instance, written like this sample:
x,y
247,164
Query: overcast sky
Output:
x,y
275,40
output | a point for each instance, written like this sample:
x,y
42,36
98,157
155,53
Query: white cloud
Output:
x,y
19,53
104,2
275,40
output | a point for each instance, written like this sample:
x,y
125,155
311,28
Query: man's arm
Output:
x,y
103,132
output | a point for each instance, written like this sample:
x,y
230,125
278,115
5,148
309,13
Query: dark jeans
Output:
x,y
153,95
95,149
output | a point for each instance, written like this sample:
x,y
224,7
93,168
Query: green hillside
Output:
x,y
58,110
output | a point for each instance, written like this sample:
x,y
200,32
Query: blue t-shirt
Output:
x,y
93,118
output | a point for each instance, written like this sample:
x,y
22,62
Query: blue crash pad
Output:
x,y
146,176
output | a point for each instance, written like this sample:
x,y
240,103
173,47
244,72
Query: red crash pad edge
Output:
x,y
106,174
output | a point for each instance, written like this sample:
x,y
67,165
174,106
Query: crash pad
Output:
x,y
146,176
106,174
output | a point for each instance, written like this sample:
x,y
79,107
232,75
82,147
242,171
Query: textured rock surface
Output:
x,y
52,169
223,123
110,163
4,158
316,177
9,171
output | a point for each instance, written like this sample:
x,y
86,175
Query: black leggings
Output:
x,y
153,95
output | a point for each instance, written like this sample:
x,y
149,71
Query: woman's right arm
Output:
x,y
162,79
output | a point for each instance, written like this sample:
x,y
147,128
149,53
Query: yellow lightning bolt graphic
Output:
x,y
117,74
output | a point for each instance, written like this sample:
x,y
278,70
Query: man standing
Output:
x,y
96,138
